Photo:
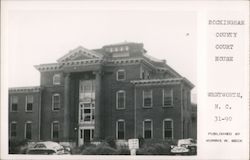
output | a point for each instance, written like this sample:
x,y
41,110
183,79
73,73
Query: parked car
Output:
x,y
47,147
185,147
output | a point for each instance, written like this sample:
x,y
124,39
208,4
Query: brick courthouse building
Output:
x,y
117,91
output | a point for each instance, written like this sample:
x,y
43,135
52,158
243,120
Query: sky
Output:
x,y
37,36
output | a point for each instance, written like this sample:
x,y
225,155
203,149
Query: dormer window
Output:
x,y
56,79
121,75
121,49
116,49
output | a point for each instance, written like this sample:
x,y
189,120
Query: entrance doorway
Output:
x,y
86,135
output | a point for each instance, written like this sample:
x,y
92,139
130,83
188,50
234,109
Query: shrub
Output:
x,y
123,151
111,142
141,140
162,149
17,146
102,149
154,147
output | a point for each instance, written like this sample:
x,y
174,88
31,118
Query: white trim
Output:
x,y
143,127
126,48
11,102
25,129
163,127
26,103
121,91
57,75
124,128
56,94
51,129
172,97
120,70
13,122
92,113
143,105
141,71
79,50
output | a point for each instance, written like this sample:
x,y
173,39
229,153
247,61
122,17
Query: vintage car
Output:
x,y
185,147
47,147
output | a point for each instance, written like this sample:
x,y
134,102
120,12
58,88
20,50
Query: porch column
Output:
x,y
66,106
97,132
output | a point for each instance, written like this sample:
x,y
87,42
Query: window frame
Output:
x,y
163,98
143,97
25,130
57,75
82,113
151,129
117,99
117,127
126,48
163,128
11,104
26,103
52,129
53,101
13,122
117,75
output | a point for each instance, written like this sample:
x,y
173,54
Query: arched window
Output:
x,y
148,129
120,129
13,129
56,102
120,99
55,130
28,130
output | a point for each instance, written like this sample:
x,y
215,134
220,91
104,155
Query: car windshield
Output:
x,y
40,146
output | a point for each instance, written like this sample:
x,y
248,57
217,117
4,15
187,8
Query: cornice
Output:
x,y
161,81
48,67
25,89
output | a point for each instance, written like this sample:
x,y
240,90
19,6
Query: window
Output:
x,y
120,99
13,129
120,54
56,79
56,102
28,130
126,48
147,98
168,129
143,74
87,112
120,129
167,97
29,103
55,130
86,90
14,103
121,75
147,129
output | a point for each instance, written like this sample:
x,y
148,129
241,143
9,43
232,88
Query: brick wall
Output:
x,y
157,113
21,116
